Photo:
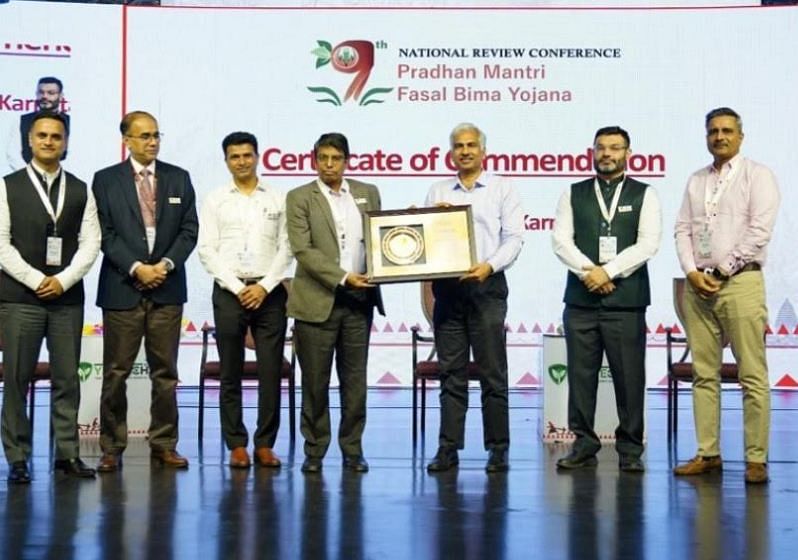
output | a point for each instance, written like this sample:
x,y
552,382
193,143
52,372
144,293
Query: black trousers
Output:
x,y
344,335
25,327
268,324
470,317
589,333
159,326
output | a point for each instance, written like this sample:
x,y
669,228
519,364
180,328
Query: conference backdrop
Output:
x,y
539,82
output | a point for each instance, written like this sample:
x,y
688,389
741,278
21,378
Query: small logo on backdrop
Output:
x,y
349,57
85,370
558,372
605,375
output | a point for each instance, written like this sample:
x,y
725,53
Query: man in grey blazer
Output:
x,y
332,300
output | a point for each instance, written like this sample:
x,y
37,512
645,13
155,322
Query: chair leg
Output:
x,y
201,411
675,407
670,408
423,409
415,410
292,407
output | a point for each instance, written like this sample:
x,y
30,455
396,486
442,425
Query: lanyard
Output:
x,y
53,213
608,214
712,196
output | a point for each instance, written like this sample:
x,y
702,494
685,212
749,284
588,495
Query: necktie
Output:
x,y
147,198
53,191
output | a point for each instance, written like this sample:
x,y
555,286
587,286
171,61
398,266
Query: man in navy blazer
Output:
x,y
149,227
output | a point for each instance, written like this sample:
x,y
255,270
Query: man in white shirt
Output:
x,y
607,228
243,244
470,311
49,238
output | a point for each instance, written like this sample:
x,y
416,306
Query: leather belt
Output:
x,y
250,281
750,267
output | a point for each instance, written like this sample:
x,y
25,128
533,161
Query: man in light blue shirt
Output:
x,y
470,311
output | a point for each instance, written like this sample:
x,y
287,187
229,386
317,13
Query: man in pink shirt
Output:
x,y
722,232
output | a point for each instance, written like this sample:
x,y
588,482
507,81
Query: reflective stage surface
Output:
x,y
397,510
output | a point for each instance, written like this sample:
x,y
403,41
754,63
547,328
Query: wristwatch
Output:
x,y
169,265
716,272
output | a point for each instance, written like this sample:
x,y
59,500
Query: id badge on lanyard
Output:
x,y
55,247
705,243
608,244
54,244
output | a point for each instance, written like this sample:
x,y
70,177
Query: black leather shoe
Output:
x,y
576,460
356,463
445,459
18,473
497,461
312,465
631,464
74,467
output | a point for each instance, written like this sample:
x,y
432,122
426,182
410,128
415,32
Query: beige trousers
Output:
x,y
737,314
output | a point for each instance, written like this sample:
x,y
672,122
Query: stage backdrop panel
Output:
x,y
395,81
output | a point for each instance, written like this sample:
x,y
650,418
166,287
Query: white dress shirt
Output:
x,y
348,227
497,214
625,263
88,245
244,236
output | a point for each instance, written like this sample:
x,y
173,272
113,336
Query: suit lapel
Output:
x,y
129,191
360,196
161,191
320,200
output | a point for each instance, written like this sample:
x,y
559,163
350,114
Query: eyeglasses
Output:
x,y
146,137
336,159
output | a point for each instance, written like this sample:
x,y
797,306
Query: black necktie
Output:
x,y
53,192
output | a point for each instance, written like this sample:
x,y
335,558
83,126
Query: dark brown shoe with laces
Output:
x,y
756,473
699,465
239,458
109,462
265,457
169,458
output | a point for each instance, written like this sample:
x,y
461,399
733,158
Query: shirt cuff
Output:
x,y
133,267
34,279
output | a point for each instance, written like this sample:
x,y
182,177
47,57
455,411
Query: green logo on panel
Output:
x,y
557,372
84,370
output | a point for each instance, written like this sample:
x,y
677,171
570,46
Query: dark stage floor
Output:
x,y
399,511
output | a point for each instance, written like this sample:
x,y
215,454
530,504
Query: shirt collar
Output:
x,y
137,167
327,190
48,177
234,188
477,184
728,166
612,182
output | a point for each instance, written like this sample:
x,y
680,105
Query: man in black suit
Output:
x,y
149,227
49,99
49,238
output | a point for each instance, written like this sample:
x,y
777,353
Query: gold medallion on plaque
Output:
x,y
402,245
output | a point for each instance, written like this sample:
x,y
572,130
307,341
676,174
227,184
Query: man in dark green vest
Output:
x,y
607,228
49,239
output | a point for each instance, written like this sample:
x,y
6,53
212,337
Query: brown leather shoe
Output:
x,y
699,465
169,458
239,458
109,462
265,457
756,473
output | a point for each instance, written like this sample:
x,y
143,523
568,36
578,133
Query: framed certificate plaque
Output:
x,y
419,243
